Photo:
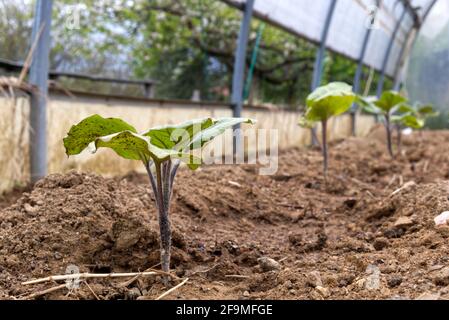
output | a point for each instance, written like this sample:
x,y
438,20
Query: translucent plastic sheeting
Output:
x,y
427,77
350,20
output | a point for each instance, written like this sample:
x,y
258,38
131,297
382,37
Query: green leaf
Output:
x,y
367,104
219,126
330,100
409,120
156,144
172,136
405,108
91,128
133,146
427,111
389,100
304,123
129,145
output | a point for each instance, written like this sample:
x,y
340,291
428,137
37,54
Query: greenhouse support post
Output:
x,y
358,73
380,84
318,67
239,68
39,78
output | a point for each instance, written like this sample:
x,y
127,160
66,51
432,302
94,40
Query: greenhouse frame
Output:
x,y
374,33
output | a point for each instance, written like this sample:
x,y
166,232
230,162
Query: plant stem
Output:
x,y
147,165
164,221
166,168
388,128
324,148
173,172
399,138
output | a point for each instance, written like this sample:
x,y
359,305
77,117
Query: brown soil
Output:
x,y
331,239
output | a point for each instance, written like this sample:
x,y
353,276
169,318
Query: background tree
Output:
x,y
185,45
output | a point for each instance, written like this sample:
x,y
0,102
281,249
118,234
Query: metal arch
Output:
x,y
358,73
424,17
318,68
380,84
426,14
239,68
401,59
240,59
39,78
402,55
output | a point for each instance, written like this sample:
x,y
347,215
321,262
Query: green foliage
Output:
x,y
325,102
328,101
426,111
408,120
367,104
388,100
177,136
157,144
388,103
413,117
90,129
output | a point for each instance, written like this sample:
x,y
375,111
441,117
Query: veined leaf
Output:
x,y
178,136
389,100
405,108
408,120
219,126
90,129
133,146
330,100
367,104
332,89
157,144
427,111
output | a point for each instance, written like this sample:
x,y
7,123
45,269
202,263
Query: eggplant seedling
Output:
x,y
386,106
411,117
426,111
405,117
324,103
160,149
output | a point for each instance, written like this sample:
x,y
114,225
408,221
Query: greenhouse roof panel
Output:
x,y
350,22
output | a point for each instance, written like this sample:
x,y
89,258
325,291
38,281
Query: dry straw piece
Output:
x,y
89,275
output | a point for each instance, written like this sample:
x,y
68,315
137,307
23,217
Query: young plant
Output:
x,y
324,103
426,111
405,117
160,149
411,117
386,106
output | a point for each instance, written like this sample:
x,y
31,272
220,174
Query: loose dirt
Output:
x,y
356,236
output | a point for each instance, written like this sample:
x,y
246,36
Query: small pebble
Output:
x,y
394,281
268,264
380,243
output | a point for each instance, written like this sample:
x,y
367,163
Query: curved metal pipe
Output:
x,y
380,84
